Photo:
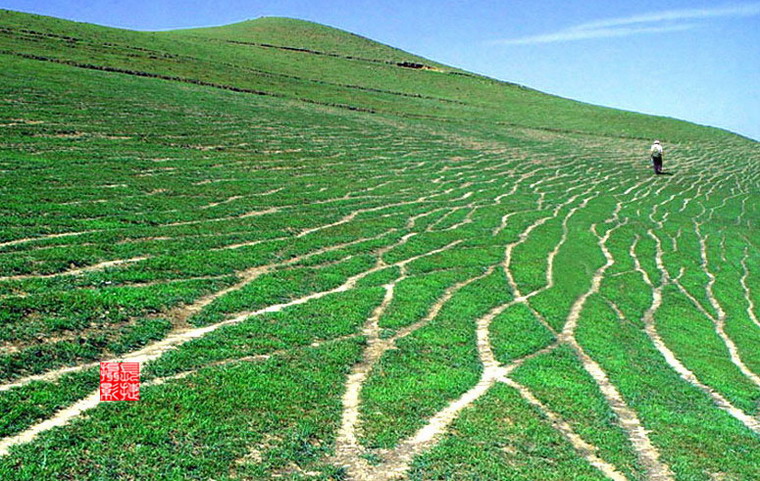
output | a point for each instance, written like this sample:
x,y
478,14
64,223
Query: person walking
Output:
x,y
656,152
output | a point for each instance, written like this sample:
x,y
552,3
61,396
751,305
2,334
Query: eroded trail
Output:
x,y
74,272
747,293
670,357
348,450
396,462
627,417
181,314
720,320
587,450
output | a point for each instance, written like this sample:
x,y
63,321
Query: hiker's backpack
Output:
x,y
656,152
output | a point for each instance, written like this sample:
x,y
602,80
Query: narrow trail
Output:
x,y
348,451
74,272
553,253
651,330
157,381
221,202
179,315
351,216
588,451
44,237
346,440
396,462
60,419
747,294
504,219
237,197
520,240
253,213
66,415
647,453
720,320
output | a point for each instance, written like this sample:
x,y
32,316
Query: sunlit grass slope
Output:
x,y
297,59
339,261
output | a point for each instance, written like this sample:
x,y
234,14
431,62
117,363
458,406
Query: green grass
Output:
x,y
502,437
432,366
560,382
299,394
330,161
674,410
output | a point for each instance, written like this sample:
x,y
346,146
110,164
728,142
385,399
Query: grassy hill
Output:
x,y
300,60
337,260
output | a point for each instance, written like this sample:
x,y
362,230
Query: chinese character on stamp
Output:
x,y
119,381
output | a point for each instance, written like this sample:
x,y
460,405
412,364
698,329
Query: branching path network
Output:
x,y
337,264
458,196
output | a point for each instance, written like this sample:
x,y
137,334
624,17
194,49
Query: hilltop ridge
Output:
x,y
303,34
297,59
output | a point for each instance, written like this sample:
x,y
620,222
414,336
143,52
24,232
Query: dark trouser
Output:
x,y
657,164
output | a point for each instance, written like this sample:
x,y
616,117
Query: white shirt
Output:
x,y
656,148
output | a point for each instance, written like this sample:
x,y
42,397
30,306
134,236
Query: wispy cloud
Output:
x,y
635,25
746,10
573,34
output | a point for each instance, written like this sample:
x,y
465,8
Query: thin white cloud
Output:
x,y
635,25
573,34
747,10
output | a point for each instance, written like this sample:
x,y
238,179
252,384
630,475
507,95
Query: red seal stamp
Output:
x,y
119,381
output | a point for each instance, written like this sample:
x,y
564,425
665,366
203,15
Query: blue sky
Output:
x,y
694,60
